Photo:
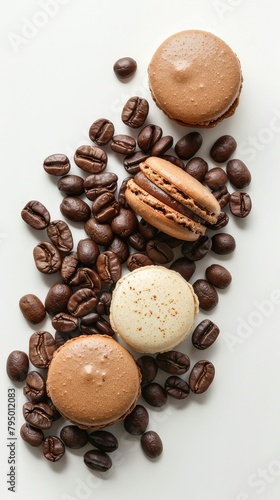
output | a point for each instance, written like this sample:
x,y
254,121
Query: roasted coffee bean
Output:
x,y
102,234
137,421
57,298
162,145
91,159
223,243
74,437
223,148
97,184
60,235
41,348
137,260
53,448
135,112
215,178
105,207
175,160
146,229
64,322
201,376
148,368
222,221
240,204
86,277
125,67
131,162
123,144
154,394
176,387
31,435
197,168
81,302
36,215
125,223
72,185
151,444
173,362
35,388
120,248
184,266
205,334
61,338
47,258
238,174
39,415
57,164
121,196
109,267
75,209
206,294
97,460
218,276
104,303
137,241
32,308
95,326
103,440
101,131
159,251
222,196
196,250
148,136
188,145
17,366
87,251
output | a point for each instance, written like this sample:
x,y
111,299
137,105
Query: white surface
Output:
x,y
56,79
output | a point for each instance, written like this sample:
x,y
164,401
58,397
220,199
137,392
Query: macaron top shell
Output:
x,y
195,77
153,309
93,381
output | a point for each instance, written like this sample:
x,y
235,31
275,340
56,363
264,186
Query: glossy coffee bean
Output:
x,y
131,162
173,362
108,266
123,144
240,204
184,266
53,448
81,302
121,196
137,241
162,145
146,229
222,195
47,258
137,421
222,221
238,174
17,366
41,348
148,136
91,159
57,164
92,324
57,298
98,184
206,294
197,168
103,440
125,223
86,277
223,243
75,209
151,444
103,305
39,415
223,148
120,248
148,368
36,215
74,437
137,260
201,376
215,178
188,145
72,185
105,207
174,159
32,308
97,460
60,235
135,112
176,387
154,394
35,388
87,252
196,250
125,67
102,234
64,322
31,435
159,251
101,131
205,334
218,276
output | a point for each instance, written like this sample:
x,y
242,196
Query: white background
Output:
x,y
56,79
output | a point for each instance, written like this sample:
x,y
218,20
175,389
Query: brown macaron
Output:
x,y
93,381
195,78
172,200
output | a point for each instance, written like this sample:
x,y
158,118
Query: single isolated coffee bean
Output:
x,y
215,178
123,144
87,251
125,67
39,415
36,215
41,348
64,322
240,204
32,308
201,376
223,243
53,448
135,112
125,223
60,235
148,368
103,440
102,234
57,298
176,387
197,168
57,164
188,145
17,366
91,159
205,334
86,277
148,136
97,460
151,444
75,209
137,421
101,131
98,184
196,250
238,174
31,435
162,145
35,388
173,362
47,258
109,267
81,302
73,437
184,266
206,293
72,185
105,207
223,148
218,276
154,394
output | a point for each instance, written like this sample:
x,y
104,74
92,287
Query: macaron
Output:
x,y
195,78
172,200
153,309
93,381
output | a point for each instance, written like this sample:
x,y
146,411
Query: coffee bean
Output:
x,y
41,348
222,221
60,337
201,376
87,251
103,440
60,235
17,366
31,435
102,234
240,204
151,444
123,144
174,159
104,303
137,421
154,394
35,388
75,209
47,258
184,266
188,145
92,324
146,229
159,251
57,164
120,248
81,302
97,460
101,131
125,223
137,260
105,207
137,241
53,448
162,145
91,159
148,368
64,322
36,215
176,387
97,184
223,148
135,112
86,277
72,185
108,266
39,415
148,136
131,162
222,196
57,298
196,250
121,196
205,334
197,168
218,276
32,308
215,178
173,362
206,294
74,437
238,173
125,67
223,243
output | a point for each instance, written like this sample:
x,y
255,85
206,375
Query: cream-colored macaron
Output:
x,y
153,309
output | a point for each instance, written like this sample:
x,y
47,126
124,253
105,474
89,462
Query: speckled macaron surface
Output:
x,y
153,309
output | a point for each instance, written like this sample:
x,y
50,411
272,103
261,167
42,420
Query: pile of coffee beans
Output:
x,y
117,241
